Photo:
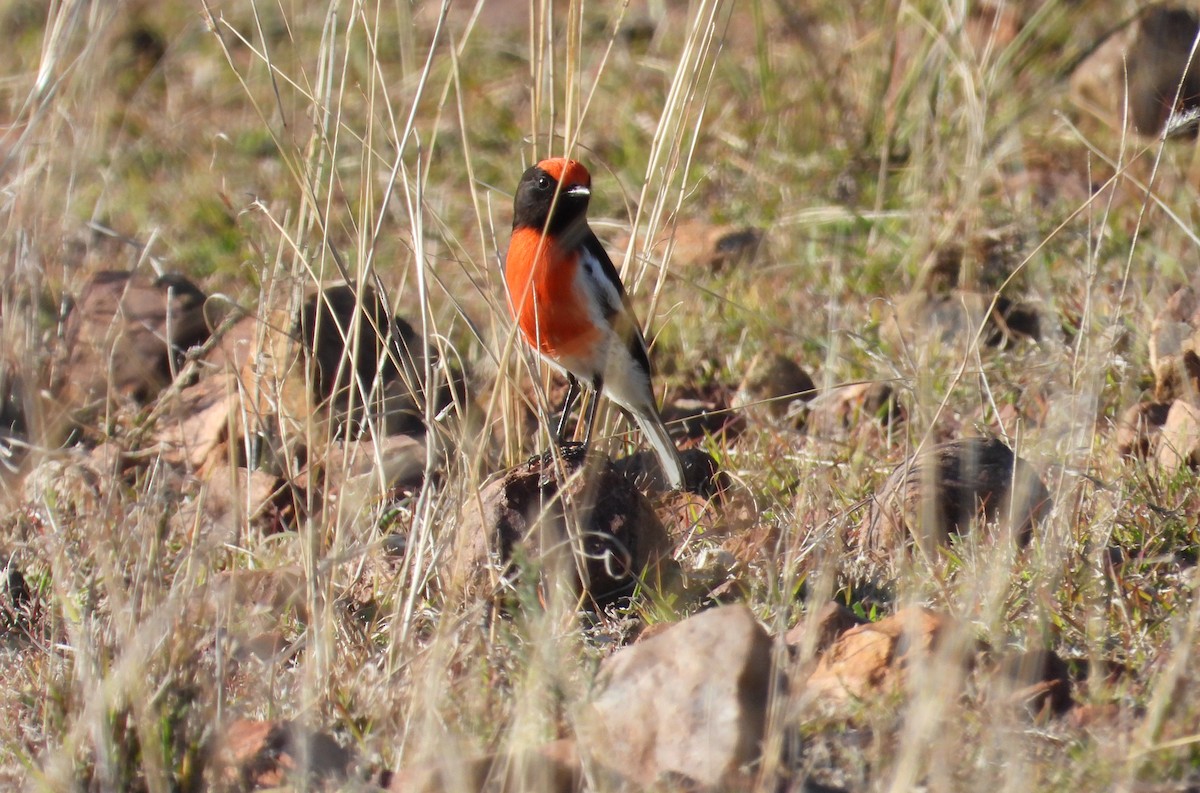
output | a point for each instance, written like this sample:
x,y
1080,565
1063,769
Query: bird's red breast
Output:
x,y
545,300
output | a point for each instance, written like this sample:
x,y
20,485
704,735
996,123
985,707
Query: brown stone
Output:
x,y
690,700
950,488
552,768
776,391
874,658
711,247
259,754
1174,337
1179,439
1139,428
1086,716
356,473
277,591
126,335
841,409
521,516
954,318
236,496
195,424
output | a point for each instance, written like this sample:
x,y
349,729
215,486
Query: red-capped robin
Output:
x,y
567,298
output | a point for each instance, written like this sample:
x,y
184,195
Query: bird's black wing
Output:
x,y
615,300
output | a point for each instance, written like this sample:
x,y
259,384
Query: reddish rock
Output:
x,y
235,496
690,700
1086,716
356,473
874,658
278,591
949,489
267,754
620,535
195,424
126,335
1179,439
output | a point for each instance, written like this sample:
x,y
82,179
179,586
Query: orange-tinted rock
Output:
x,y
874,658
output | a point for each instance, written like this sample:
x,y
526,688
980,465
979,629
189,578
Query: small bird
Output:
x,y
568,300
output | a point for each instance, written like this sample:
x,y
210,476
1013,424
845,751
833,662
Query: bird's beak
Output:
x,y
578,191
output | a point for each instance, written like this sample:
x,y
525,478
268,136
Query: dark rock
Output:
x,y
950,488
700,472
1038,680
14,417
620,535
363,355
1158,64
1137,73
735,247
822,627
690,700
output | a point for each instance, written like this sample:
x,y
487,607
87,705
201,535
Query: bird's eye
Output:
x,y
543,182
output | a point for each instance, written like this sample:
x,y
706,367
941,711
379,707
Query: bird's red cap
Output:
x,y
567,173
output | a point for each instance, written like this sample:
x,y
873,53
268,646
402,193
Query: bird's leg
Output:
x,y
597,386
568,403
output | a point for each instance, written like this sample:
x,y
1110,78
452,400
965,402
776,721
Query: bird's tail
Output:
x,y
668,456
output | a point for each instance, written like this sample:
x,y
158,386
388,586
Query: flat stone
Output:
x,y
690,700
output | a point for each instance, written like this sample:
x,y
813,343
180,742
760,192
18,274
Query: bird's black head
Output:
x,y
542,204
